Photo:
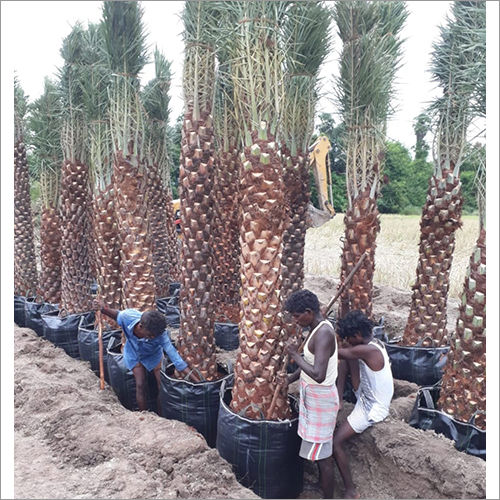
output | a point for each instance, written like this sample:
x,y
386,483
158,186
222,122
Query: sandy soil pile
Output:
x,y
74,441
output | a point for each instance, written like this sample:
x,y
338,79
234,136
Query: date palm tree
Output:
x,y
156,100
257,74
196,342
126,53
45,123
306,32
458,66
25,272
370,58
463,392
76,276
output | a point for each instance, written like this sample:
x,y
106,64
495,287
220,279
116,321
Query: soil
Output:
x,y
74,441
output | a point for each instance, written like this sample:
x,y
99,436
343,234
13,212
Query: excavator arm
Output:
x,y
318,160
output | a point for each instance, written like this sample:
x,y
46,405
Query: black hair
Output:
x,y
154,322
301,300
354,322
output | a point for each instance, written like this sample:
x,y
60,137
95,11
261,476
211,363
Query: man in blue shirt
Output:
x,y
146,338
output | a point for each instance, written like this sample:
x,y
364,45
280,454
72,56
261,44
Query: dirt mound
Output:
x,y
74,441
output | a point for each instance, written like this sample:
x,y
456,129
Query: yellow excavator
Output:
x,y
318,161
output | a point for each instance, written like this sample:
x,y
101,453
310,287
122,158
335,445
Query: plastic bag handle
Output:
x,y
472,420
421,341
194,369
229,366
242,412
428,398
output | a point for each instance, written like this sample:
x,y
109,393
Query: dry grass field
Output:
x,y
396,254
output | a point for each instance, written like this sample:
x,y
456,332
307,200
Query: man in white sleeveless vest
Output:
x,y
319,401
367,362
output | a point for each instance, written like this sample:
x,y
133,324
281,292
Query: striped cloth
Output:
x,y
318,409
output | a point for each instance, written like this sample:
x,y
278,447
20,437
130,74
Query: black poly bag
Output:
x,y
227,336
19,314
264,454
88,345
465,435
423,366
122,380
174,289
33,314
63,332
171,311
194,403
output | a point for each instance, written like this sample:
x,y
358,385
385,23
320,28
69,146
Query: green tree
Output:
x,y
174,135
421,126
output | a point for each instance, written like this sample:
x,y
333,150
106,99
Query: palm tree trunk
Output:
x,y
440,220
463,390
50,251
25,273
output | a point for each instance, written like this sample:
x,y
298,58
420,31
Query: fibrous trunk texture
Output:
x,y
463,390
107,248
158,227
226,237
50,250
440,220
261,240
25,273
196,342
173,243
137,280
362,224
76,276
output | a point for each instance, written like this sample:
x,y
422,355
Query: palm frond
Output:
x,y
20,109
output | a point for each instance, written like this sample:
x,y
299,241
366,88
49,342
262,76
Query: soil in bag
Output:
x,y
264,454
168,307
33,314
423,366
88,345
196,404
227,336
465,435
63,332
122,380
19,314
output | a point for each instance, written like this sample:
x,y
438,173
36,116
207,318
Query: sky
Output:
x,y
31,36
36,54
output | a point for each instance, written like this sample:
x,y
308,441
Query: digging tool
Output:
x,y
327,311
98,318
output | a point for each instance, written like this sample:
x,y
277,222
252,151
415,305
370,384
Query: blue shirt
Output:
x,y
148,352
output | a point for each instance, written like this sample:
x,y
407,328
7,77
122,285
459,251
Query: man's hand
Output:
x,y
291,348
282,379
98,305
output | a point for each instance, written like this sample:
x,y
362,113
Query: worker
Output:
x,y
319,400
146,339
365,359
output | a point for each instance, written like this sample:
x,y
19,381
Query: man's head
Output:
x,y
356,328
152,324
303,305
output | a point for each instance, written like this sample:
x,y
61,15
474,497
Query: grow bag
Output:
x,y
33,314
196,404
19,314
465,435
122,380
264,454
88,345
174,289
171,311
227,336
63,332
423,366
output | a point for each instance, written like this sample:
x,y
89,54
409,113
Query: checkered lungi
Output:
x,y
318,409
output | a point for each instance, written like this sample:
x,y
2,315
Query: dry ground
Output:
x,y
74,441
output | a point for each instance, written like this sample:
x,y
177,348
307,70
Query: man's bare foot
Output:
x,y
351,494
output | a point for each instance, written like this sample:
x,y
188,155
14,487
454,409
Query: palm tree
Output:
x,y
226,193
257,75
306,30
105,229
76,276
369,61
156,100
463,392
125,46
458,66
25,272
196,342
45,123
